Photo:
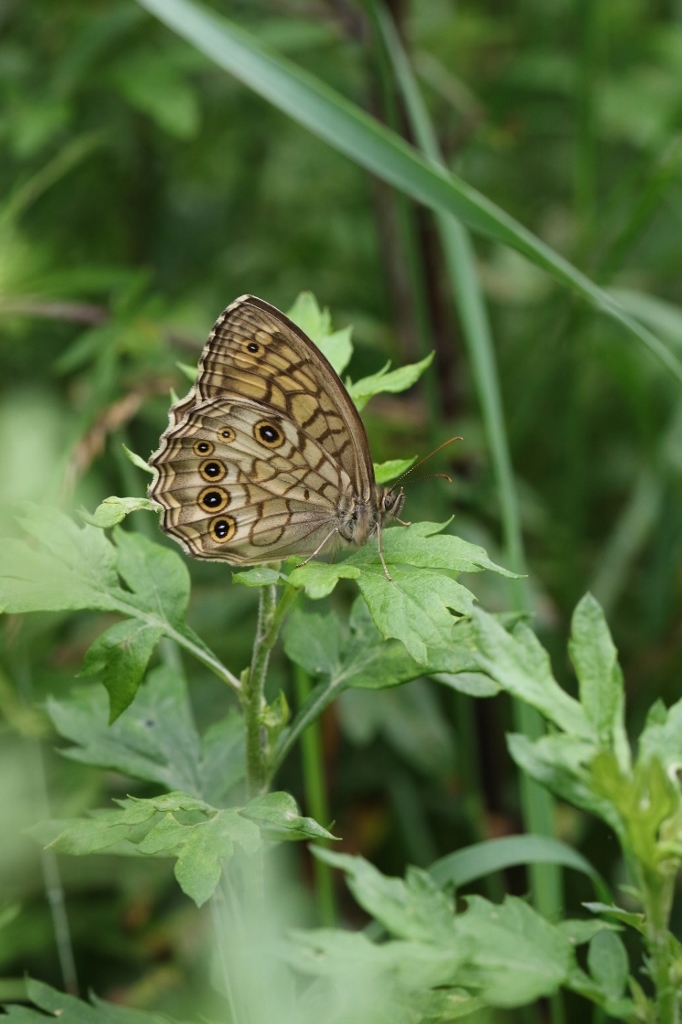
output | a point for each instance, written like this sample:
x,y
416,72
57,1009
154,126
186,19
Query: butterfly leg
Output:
x,y
319,547
380,547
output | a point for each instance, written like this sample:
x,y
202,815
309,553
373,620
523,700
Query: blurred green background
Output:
x,y
142,190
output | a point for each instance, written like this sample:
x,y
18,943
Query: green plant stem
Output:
x,y
658,888
316,799
271,613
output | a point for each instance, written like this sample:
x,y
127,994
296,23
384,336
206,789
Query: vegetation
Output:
x,y
305,793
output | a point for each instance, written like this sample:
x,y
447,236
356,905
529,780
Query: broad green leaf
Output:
x,y
155,738
314,641
317,324
113,510
201,847
608,963
73,568
410,965
520,665
415,606
384,472
279,812
70,1010
474,684
559,763
121,655
350,130
410,908
518,956
599,676
157,576
383,381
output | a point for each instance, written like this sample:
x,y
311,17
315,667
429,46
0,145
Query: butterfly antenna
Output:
x,y
432,476
425,459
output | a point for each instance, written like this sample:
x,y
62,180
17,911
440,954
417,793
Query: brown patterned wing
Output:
x,y
256,352
243,484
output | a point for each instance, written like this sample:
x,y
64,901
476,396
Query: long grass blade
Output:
x,y
350,130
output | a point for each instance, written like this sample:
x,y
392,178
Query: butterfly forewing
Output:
x,y
256,352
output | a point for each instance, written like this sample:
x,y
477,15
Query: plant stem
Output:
x,y
316,799
658,887
270,616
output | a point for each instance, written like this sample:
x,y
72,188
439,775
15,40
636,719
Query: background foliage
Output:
x,y
143,188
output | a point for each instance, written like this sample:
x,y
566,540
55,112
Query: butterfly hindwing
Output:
x,y
240,482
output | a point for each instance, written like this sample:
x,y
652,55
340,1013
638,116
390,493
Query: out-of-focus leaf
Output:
x,y
113,510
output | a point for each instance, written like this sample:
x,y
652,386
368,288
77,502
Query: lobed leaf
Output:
x,y
384,382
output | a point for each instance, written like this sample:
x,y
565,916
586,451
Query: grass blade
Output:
x,y
350,130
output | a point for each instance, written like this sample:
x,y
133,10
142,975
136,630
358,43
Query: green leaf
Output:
x,y
608,963
474,684
413,908
520,665
155,738
558,762
628,917
383,381
351,955
518,956
384,472
157,576
138,461
350,130
201,847
661,737
317,324
599,675
190,372
113,510
261,576
279,812
154,84
121,654
74,568
70,1010
415,606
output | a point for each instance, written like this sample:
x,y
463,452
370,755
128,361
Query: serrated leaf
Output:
x,y
383,381
157,576
520,665
662,736
113,510
155,738
73,568
336,346
201,848
410,908
518,956
596,663
121,655
280,812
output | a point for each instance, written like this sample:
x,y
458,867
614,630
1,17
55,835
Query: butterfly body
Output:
x,y
267,456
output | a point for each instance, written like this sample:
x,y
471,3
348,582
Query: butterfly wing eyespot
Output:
x,y
214,499
227,435
268,434
254,347
222,529
203,448
212,470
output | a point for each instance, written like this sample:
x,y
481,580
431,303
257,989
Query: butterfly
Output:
x,y
267,457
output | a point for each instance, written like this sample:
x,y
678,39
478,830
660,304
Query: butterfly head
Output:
x,y
391,502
